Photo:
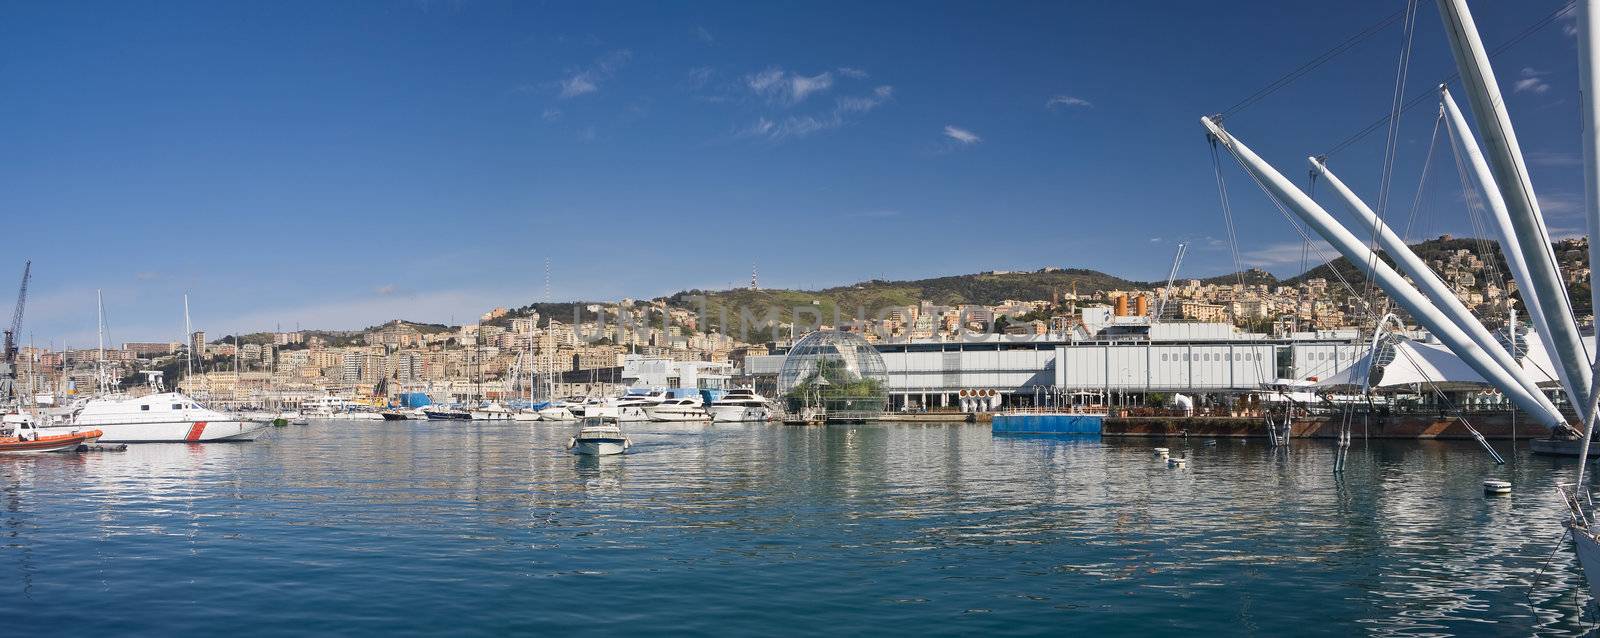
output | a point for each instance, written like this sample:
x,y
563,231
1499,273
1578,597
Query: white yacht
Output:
x,y
680,409
490,412
632,408
559,410
740,405
599,437
159,417
325,407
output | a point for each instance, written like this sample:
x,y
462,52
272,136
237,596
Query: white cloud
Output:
x,y
1560,203
1531,81
961,135
1547,158
551,114
787,88
587,80
1066,101
576,85
1282,254
852,72
700,33
866,103
797,126
385,290
700,76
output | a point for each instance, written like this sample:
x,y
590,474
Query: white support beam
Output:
x,y
1296,200
1443,298
1511,176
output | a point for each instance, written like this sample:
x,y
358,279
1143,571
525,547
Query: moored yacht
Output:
x,y
159,417
490,412
445,413
632,407
740,405
680,409
559,410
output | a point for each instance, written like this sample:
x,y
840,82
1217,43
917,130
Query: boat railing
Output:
x,y
1090,410
1569,495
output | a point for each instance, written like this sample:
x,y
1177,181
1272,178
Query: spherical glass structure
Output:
x,y
838,373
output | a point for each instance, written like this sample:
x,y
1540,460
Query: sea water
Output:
x,y
467,528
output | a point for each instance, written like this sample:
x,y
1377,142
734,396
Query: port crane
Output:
x,y
8,355
1172,275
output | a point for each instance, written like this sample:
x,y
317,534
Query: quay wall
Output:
x,y
1494,426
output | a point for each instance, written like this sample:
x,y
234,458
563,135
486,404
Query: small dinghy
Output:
x,y
19,434
1495,487
599,437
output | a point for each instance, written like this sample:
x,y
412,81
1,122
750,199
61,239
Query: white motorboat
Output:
x,y
525,415
599,437
740,405
159,417
490,412
633,408
680,409
557,411
568,408
294,417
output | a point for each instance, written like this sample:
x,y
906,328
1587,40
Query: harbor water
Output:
x,y
468,528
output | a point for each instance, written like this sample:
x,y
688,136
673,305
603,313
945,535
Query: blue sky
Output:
x,y
336,164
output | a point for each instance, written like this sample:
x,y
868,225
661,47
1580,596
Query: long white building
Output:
x,y
1121,357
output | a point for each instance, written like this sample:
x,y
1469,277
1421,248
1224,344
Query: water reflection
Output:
x,y
936,528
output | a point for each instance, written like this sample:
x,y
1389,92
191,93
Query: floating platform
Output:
x,y
1063,423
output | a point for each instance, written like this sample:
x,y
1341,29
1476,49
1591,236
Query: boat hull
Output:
x,y
600,447
50,443
172,431
1560,447
1588,549
447,416
632,414
739,414
557,414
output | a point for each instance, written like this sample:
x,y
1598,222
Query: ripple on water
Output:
x,y
486,529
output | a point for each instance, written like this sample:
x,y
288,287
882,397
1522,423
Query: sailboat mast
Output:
x,y
100,337
188,350
1511,176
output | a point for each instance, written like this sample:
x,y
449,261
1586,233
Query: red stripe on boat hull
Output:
x,y
195,431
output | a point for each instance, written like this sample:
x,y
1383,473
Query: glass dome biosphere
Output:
x,y
837,372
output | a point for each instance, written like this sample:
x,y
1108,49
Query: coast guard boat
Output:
x,y
158,417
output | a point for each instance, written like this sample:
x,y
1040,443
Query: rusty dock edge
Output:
x,y
1498,426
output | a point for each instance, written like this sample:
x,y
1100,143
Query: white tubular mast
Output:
x,y
1588,79
1496,204
1392,283
1443,298
1511,176
1588,31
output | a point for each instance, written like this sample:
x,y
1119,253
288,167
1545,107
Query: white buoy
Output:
x,y
1176,461
1496,487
